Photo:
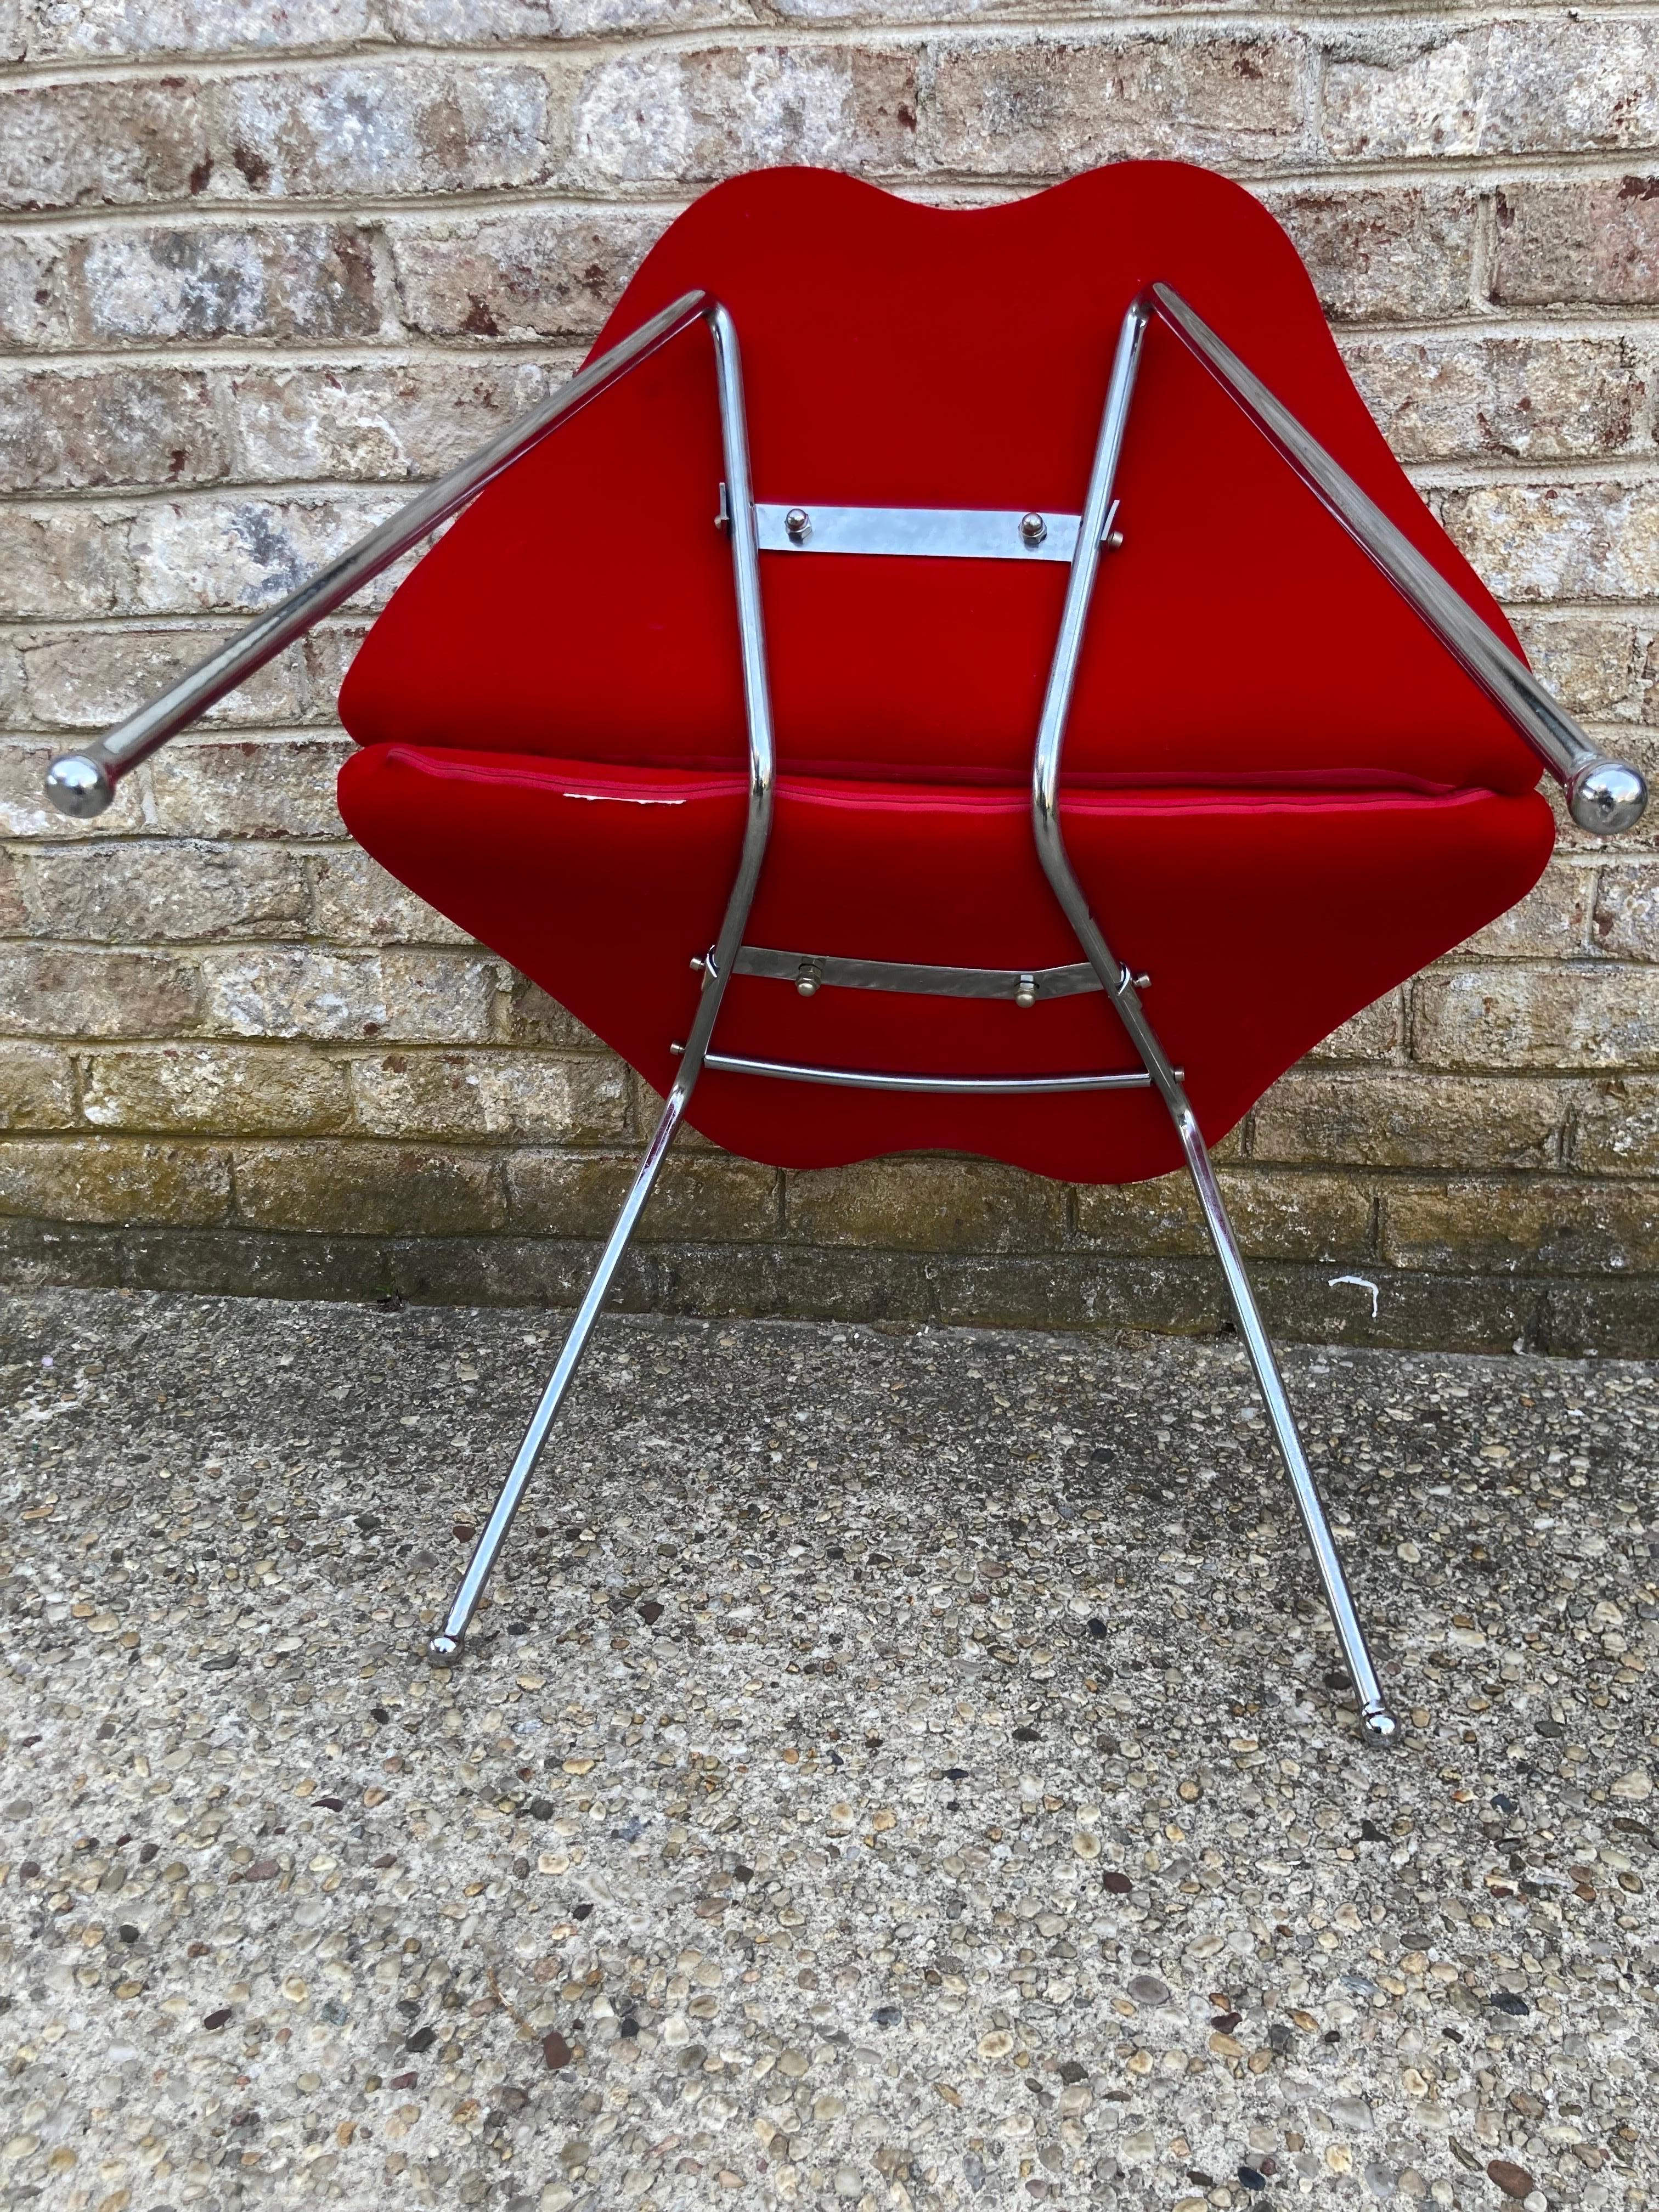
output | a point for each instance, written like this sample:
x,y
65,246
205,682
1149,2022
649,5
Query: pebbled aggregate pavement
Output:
x,y
896,1770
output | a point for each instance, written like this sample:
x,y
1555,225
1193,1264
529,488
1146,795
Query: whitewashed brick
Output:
x,y
386,128
117,30
1465,397
89,679
547,273
379,423
1559,541
669,116
209,281
1510,88
1047,104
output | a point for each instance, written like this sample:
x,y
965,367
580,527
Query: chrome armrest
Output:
x,y
1603,795
84,783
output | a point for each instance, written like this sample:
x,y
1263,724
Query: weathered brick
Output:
x,y
667,115
1408,1119
87,143
134,891
292,991
25,811
1404,93
14,912
1377,1032
59,562
1616,1128
702,1197
512,23
529,1017
573,1100
330,650
36,1087
920,1205
1561,541
280,280
1594,663
1522,1225
1576,242
414,420
1383,252
204,554
367,1190
1586,1017
80,430
89,679
1626,920
1551,923
91,991
217,1089
118,1179
385,127
115,30
1049,104
35,290
547,273
283,789
1275,1217
355,901
1456,397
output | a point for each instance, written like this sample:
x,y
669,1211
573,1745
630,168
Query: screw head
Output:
x,y
806,980
798,524
1033,529
1026,994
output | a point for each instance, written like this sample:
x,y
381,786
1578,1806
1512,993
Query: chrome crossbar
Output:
x,y
961,1086
811,971
930,534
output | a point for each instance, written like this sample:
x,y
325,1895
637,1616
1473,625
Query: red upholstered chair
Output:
x,y
1019,711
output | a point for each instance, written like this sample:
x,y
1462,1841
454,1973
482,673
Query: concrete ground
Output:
x,y
897,1770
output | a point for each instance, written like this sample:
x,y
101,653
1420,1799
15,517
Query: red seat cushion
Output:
x,y
1265,918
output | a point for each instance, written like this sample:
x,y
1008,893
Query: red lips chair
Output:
x,y
1020,712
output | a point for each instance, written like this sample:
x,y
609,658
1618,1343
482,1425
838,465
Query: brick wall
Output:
x,y
268,264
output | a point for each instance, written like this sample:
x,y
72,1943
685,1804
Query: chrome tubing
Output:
x,y
1603,796
952,1086
1119,983
83,784
444,1645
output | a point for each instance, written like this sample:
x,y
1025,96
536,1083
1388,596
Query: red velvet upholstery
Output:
x,y
1281,796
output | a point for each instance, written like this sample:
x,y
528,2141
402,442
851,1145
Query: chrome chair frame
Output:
x,y
1604,796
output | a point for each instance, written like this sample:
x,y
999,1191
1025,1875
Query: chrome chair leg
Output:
x,y
444,1646
1122,987
1375,1716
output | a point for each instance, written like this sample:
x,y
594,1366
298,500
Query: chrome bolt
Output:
x,y
1113,541
798,524
1026,994
1033,529
806,979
